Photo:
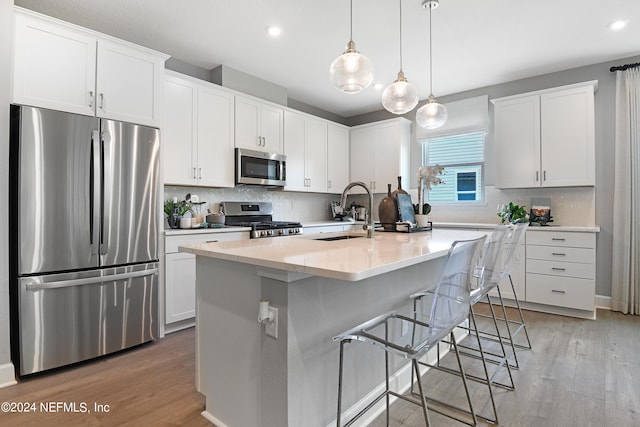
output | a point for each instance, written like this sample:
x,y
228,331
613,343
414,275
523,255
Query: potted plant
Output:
x,y
512,214
427,177
175,210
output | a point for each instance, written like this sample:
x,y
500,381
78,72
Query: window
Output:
x,y
462,156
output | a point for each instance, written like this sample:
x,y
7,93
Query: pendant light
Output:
x,y
431,115
400,97
351,72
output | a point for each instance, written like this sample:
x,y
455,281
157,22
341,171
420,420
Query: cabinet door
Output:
x,y
53,67
517,142
215,138
294,148
567,135
129,84
386,158
178,132
180,287
337,158
271,128
247,124
315,155
361,156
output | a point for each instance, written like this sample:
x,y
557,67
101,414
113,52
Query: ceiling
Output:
x,y
475,43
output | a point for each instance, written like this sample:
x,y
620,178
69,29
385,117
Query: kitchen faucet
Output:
x,y
343,202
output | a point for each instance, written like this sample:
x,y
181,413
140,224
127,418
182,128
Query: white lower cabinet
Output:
x,y
561,269
180,276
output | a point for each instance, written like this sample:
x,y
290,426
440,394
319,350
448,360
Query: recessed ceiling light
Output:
x,y
274,31
618,25
379,86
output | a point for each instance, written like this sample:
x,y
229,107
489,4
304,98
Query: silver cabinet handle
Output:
x,y
544,175
558,269
558,239
329,184
259,142
194,173
199,173
557,291
558,254
91,99
101,106
537,176
264,141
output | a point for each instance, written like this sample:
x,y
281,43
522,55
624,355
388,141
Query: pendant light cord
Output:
x,y
400,2
351,20
430,55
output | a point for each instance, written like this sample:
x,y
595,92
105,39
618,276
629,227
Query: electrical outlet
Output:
x,y
271,327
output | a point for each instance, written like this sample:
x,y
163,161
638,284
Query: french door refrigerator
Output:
x,y
83,236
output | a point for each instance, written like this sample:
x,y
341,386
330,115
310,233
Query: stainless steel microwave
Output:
x,y
259,168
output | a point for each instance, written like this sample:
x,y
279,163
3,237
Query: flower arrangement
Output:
x,y
512,213
427,177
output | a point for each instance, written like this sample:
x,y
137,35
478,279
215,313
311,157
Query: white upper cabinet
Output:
x,y
197,133
546,138
337,158
64,67
379,154
305,145
259,125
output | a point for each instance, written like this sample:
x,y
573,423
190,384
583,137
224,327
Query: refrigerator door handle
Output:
x,y
94,205
106,188
36,286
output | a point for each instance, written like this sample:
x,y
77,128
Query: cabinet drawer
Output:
x,y
560,238
171,243
562,269
561,254
561,291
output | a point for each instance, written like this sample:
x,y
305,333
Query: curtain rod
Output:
x,y
624,67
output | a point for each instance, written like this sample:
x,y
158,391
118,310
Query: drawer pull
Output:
x,y
212,241
559,239
558,269
556,291
558,254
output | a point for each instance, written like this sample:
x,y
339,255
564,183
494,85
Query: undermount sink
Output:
x,y
343,237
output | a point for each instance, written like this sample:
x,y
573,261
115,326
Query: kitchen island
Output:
x,y
320,288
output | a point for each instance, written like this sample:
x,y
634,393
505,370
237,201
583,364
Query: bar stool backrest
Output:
x,y
487,272
450,305
514,238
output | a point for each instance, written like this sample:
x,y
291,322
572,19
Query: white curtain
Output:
x,y
625,278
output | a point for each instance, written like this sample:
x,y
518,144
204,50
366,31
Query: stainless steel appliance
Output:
x,y
258,168
84,261
258,216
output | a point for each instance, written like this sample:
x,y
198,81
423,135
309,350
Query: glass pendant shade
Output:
x,y
400,97
351,72
431,115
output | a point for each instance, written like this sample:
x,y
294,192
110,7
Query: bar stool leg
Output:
x,y
524,325
464,379
342,343
416,372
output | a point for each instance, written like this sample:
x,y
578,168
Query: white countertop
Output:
x,y
351,259
189,231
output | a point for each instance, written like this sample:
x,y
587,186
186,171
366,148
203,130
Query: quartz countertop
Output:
x,y
188,231
350,259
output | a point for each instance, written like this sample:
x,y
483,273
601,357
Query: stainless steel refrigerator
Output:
x,y
83,237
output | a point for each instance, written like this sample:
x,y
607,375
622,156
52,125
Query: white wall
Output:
x,y
6,43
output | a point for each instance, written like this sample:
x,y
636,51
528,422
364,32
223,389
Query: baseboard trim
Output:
x,y
7,375
603,302
209,417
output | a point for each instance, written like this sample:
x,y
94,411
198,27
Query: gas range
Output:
x,y
259,217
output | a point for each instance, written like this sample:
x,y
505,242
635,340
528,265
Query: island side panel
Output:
x,y
320,308
228,341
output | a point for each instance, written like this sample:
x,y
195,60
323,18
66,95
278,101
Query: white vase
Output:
x,y
422,220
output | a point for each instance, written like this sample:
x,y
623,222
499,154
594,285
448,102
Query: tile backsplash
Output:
x,y
569,206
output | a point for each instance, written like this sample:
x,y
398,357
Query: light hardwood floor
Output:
x,y
579,373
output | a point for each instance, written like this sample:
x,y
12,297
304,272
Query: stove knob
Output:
x,y
263,233
281,231
297,230
269,232
291,231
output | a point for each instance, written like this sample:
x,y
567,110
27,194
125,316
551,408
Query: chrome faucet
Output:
x,y
343,202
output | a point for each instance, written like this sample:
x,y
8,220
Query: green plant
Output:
x,y
426,208
183,207
512,213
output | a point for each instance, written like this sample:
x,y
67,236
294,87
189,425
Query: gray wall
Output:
x,y
604,112
6,42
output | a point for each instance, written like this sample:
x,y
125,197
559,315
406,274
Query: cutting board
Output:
x,y
405,208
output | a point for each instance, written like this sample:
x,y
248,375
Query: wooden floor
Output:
x,y
579,373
